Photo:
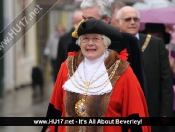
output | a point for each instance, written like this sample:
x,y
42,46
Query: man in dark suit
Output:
x,y
91,9
66,39
157,68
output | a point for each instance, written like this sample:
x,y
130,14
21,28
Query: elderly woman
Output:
x,y
96,82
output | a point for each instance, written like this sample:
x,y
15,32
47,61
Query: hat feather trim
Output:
x,y
75,33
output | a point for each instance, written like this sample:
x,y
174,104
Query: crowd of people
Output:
x,y
107,68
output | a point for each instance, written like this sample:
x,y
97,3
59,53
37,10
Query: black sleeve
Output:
x,y
133,128
51,112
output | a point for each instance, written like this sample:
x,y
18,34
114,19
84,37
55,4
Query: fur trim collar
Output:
x,y
94,103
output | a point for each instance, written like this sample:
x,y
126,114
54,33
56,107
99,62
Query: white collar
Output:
x,y
137,36
90,68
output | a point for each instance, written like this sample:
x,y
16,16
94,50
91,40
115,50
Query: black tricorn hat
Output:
x,y
157,27
99,27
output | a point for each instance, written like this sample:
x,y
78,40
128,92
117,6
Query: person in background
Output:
x,y
157,30
161,31
116,6
96,82
65,40
157,68
51,47
102,9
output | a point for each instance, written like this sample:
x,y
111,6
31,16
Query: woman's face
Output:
x,y
92,46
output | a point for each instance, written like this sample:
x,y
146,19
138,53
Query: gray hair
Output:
x,y
105,9
106,40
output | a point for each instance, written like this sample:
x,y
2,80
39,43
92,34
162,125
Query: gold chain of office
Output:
x,y
80,106
81,87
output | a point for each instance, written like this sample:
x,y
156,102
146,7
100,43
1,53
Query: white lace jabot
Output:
x,y
75,83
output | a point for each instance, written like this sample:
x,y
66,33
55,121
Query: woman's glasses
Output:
x,y
94,39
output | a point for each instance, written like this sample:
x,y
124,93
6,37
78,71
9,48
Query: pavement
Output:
x,y
21,103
